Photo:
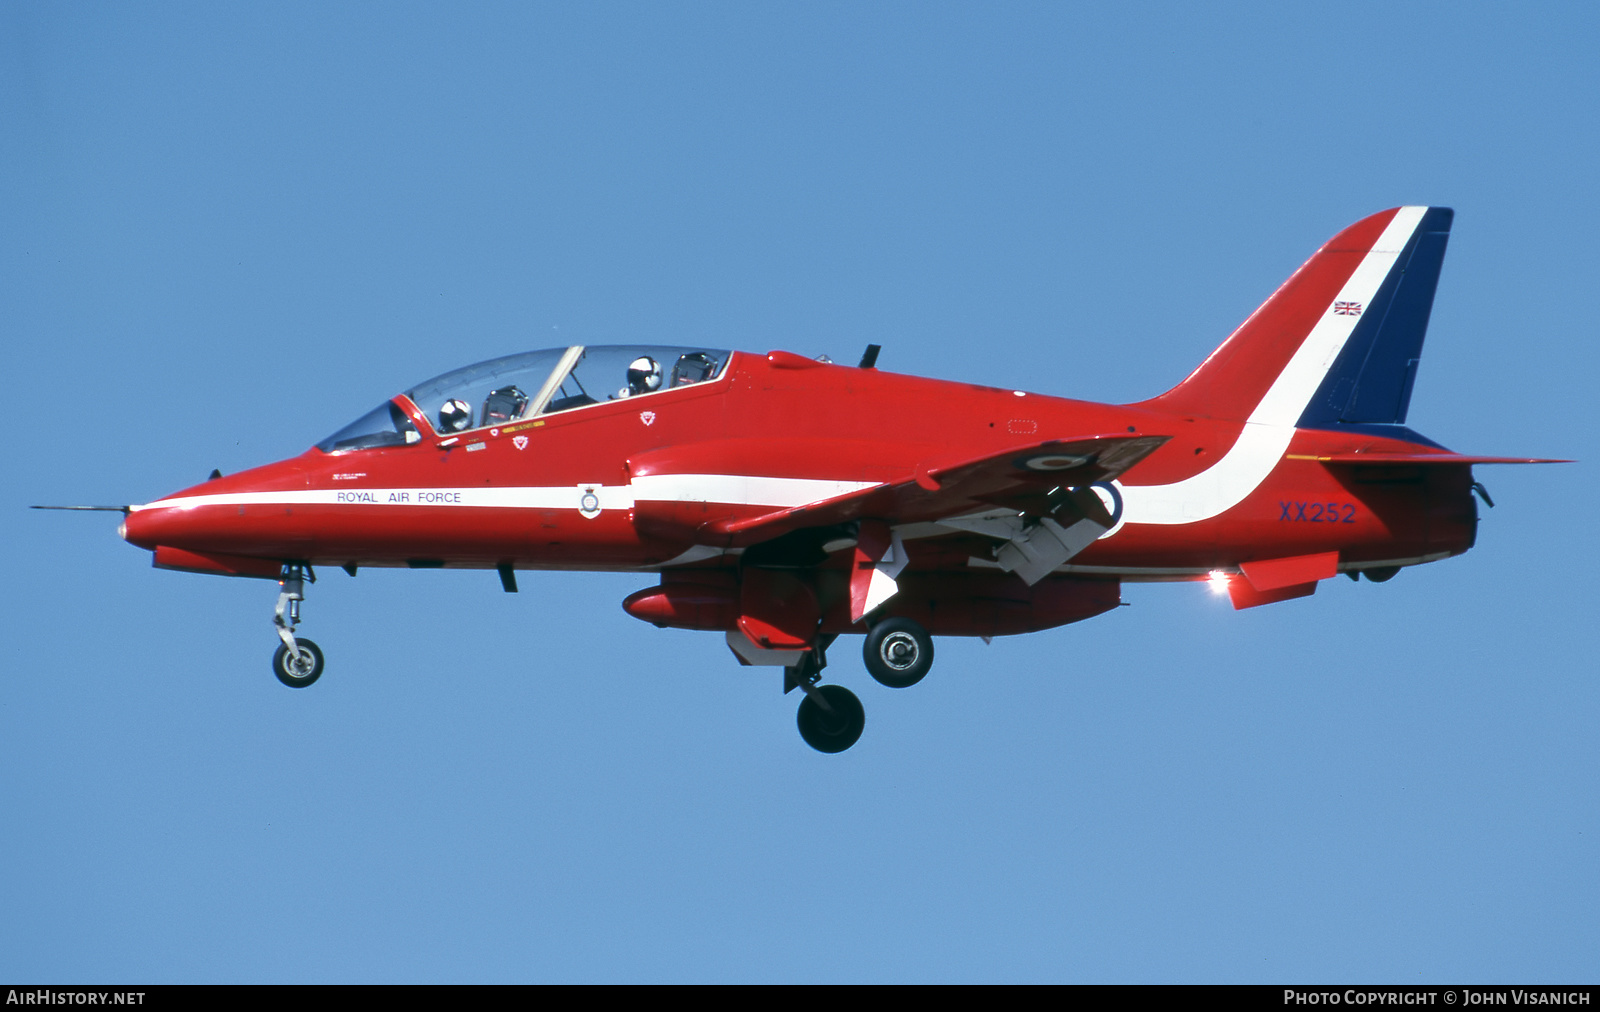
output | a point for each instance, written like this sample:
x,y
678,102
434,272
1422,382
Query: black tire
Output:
x,y
836,731
898,653
301,674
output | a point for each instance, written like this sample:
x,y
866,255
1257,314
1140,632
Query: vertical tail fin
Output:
x,y
1339,341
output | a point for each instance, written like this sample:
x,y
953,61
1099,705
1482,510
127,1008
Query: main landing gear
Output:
x,y
298,661
898,653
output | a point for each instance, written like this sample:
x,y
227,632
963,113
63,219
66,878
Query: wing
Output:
x,y
1036,480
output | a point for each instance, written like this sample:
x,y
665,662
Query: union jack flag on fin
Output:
x,y
1347,308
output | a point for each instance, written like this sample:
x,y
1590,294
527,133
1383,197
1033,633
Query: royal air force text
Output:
x,y
418,497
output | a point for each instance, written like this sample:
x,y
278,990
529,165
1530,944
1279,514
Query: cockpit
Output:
x,y
529,385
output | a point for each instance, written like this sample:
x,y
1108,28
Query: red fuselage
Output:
x,y
785,501
780,416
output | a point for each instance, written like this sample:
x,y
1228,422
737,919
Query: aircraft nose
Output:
x,y
177,520
253,514
146,528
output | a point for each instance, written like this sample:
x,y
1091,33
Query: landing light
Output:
x,y
1219,581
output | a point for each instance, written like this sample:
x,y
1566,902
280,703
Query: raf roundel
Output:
x,y
1055,462
1110,496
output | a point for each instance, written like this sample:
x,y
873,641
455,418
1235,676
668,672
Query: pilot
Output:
x,y
644,376
694,367
455,415
504,405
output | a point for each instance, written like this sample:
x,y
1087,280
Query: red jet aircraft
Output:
x,y
784,501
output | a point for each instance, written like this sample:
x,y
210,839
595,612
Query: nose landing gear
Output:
x,y
298,662
831,718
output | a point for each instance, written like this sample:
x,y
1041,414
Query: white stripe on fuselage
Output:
x,y
731,489
1271,426
741,489
559,497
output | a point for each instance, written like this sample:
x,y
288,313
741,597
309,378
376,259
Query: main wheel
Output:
x,y
301,670
836,731
898,652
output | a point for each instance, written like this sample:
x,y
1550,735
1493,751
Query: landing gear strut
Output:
x,y
831,718
298,661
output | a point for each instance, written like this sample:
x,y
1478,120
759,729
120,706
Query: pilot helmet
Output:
x,y
644,375
455,415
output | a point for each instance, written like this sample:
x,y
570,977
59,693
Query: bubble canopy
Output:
x,y
531,384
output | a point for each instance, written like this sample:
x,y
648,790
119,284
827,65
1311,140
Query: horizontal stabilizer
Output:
x,y
1412,459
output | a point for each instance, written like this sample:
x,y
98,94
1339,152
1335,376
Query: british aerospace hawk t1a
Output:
x,y
781,501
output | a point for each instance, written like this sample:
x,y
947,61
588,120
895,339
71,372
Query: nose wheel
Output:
x,y
300,668
298,661
831,718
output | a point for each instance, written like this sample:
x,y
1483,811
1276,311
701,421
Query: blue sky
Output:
x,y
228,230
